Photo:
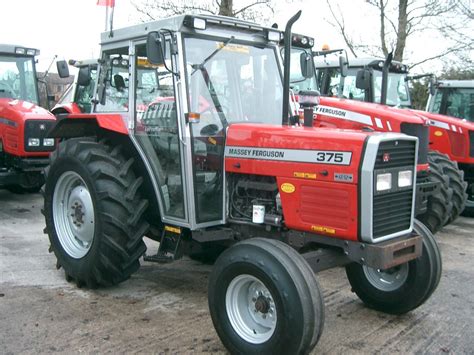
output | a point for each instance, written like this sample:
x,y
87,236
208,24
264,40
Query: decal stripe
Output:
x,y
378,122
7,122
440,124
343,114
298,155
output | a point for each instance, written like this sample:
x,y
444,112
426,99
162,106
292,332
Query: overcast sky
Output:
x,y
71,28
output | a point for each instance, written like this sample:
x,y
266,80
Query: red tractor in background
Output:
x,y
24,145
384,82
433,203
214,159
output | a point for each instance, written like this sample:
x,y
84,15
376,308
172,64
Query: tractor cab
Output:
x,y
18,74
210,78
453,98
363,79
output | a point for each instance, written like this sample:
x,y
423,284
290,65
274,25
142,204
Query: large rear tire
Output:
x,y
403,288
264,298
456,181
93,212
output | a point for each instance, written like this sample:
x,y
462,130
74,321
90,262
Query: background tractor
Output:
x,y
202,151
386,82
24,146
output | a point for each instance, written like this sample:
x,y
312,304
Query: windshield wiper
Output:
x,y
200,66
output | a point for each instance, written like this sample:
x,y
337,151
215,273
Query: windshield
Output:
x,y
397,89
455,102
238,83
297,81
17,78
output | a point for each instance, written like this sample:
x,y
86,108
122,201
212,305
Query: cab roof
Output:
x,y
322,61
18,50
456,84
183,23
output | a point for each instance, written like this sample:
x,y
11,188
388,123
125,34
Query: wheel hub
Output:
x,y
73,212
262,305
389,279
251,309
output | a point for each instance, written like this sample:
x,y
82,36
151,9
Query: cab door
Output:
x,y
158,132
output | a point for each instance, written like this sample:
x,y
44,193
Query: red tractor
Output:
x,y
384,82
215,160
24,146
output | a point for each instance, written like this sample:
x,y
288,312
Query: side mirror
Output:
x,y
154,48
306,64
343,65
63,69
363,79
84,76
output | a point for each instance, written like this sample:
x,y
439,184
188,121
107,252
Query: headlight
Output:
x,y
384,182
405,178
33,142
48,142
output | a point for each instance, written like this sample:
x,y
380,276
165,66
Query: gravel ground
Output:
x,y
163,308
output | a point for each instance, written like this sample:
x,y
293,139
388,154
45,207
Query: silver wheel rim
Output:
x,y
251,309
387,280
73,214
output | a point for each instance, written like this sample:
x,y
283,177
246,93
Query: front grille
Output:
x,y
38,129
471,143
392,213
395,154
392,210
423,133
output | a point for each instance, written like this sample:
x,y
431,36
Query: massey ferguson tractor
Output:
x,y
385,82
24,147
216,159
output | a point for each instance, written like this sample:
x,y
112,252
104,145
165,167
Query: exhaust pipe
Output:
x,y
386,66
286,67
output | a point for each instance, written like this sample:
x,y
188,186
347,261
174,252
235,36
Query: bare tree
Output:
x,y
401,20
246,9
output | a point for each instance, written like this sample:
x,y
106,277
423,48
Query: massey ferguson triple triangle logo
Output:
x,y
386,157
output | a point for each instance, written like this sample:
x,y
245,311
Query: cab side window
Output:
x,y
114,80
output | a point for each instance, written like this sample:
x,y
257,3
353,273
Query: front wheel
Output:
x,y
93,212
31,183
404,287
264,299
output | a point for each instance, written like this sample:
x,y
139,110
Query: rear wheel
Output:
x,y
264,298
93,212
456,182
402,288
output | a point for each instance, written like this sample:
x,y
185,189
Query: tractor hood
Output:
x,y
436,119
322,153
18,110
368,114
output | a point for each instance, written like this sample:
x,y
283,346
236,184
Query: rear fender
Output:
x,y
79,125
